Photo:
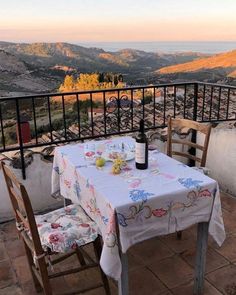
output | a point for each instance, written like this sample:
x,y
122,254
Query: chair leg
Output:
x,y
98,250
80,257
44,275
37,285
179,235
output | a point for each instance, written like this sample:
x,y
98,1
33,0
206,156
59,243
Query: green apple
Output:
x,y
100,162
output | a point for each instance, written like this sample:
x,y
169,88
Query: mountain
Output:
x,y
17,77
10,63
90,59
41,67
84,59
224,62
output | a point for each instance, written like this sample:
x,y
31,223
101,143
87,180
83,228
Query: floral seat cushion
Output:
x,y
61,230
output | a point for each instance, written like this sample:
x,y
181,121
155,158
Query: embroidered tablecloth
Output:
x,y
167,197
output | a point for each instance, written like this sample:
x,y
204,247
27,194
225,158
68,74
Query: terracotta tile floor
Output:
x,y
160,266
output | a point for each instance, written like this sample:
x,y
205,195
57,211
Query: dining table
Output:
x,y
136,205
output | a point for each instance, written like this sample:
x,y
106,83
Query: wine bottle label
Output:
x,y
140,153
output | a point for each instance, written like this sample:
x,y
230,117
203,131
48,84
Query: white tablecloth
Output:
x,y
167,197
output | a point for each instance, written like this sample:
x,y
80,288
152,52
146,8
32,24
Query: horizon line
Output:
x,y
123,41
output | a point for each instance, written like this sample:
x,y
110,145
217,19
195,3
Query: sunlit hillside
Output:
x,y
226,61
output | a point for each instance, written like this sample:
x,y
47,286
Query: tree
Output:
x,y
120,78
101,77
92,81
87,82
115,80
68,84
84,105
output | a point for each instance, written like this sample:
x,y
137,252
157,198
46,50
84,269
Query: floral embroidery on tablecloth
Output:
x,y
135,183
91,205
143,211
90,186
159,212
190,183
56,168
67,183
63,160
139,195
167,175
111,235
77,188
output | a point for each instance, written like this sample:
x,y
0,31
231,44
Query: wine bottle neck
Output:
x,y
141,126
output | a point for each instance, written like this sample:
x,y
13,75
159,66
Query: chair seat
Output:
x,y
63,229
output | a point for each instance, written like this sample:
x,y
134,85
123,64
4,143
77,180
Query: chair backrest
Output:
x,y
198,127
25,220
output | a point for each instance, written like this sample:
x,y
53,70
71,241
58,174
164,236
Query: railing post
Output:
x,y
118,110
192,150
20,140
195,101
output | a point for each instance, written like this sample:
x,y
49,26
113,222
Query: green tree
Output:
x,y
101,77
115,80
120,78
84,105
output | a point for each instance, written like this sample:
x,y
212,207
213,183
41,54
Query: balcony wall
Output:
x,y
38,185
221,159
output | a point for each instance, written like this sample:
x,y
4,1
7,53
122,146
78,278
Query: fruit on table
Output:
x,y
115,169
119,162
118,165
100,162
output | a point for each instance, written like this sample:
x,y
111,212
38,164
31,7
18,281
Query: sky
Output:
x,y
121,20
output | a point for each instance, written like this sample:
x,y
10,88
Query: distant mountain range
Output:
x,y
224,61
91,59
41,67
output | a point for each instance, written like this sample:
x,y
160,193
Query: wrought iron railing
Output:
x,y
49,119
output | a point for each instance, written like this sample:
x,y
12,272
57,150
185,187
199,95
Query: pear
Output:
x,y
100,162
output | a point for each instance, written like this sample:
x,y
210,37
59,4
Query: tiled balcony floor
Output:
x,y
159,266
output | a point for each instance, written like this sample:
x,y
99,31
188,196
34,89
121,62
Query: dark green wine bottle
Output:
x,y
141,148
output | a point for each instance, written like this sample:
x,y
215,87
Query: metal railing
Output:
x,y
57,118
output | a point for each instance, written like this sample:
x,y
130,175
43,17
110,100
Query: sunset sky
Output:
x,y
121,20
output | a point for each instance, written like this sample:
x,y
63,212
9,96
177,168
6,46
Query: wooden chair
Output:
x,y
195,126
175,124
38,246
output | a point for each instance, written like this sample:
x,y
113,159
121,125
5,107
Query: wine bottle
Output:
x,y
141,148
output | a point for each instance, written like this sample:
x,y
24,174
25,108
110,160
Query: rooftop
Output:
x,y
150,263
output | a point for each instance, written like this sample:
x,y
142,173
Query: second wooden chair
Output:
x,y
174,124
205,129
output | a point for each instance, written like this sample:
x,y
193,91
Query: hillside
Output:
x,y
91,59
224,61
10,63
41,67
17,77
84,59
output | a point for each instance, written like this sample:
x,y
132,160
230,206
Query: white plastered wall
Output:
x,y
37,183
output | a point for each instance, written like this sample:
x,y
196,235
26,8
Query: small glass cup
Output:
x,y
89,152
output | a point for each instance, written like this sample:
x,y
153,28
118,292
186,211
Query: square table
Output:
x,y
137,205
